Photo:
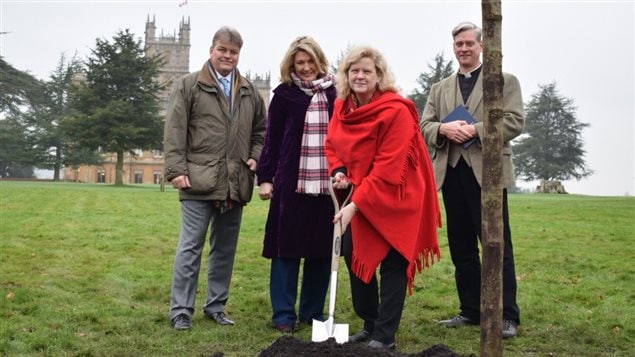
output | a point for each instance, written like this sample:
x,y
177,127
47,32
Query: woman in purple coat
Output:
x,y
292,172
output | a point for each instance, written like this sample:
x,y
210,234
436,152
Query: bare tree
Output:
x,y
492,190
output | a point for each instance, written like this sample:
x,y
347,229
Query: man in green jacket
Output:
x,y
214,132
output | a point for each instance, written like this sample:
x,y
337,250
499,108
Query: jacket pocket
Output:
x,y
245,182
203,177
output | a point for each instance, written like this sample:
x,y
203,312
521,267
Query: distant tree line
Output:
x,y
108,103
551,147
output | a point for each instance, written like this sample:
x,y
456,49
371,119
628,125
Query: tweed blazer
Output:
x,y
444,98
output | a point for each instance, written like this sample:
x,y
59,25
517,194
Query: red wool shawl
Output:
x,y
383,150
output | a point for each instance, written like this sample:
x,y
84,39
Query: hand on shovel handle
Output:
x,y
345,215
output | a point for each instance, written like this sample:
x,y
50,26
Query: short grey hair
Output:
x,y
465,26
228,34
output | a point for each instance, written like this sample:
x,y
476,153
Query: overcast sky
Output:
x,y
586,47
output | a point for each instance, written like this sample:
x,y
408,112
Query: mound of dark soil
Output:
x,y
292,347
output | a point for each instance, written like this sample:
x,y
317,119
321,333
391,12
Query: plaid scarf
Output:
x,y
313,169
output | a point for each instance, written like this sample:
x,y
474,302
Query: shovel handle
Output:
x,y
336,202
337,246
337,229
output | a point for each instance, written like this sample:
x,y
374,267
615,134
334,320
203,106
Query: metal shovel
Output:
x,y
323,330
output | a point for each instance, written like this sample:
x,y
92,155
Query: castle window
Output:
x,y
157,177
138,176
101,176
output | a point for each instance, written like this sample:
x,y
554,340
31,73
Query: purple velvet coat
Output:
x,y
298,225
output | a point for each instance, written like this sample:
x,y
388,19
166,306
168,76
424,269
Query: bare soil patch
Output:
x,y
289,346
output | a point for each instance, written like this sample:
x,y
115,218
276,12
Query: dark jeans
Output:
x,y
462,199
283,289
379,305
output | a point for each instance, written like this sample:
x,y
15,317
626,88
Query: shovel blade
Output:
x,y
340,333
323,330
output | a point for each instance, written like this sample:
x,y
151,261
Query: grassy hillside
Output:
x,y
86,270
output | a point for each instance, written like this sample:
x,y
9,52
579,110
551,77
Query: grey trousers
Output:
x,y
197,216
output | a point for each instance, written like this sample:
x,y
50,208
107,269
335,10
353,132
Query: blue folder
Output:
x,y
461,113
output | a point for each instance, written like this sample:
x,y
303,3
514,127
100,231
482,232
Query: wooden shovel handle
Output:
x,y
337,228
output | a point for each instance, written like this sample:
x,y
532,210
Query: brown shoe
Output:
x,y
284,328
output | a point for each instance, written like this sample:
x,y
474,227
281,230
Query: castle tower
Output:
x,y
184,31
173,50
262,85
150,29
147,166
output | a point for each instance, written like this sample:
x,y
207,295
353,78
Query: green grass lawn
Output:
x,y
85,270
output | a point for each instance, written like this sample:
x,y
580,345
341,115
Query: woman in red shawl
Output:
x,y
374,143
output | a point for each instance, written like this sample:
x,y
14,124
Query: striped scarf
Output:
x,y
313,169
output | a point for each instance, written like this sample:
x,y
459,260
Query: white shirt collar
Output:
x,y
228,77
469,73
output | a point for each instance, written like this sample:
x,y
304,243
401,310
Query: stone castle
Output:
x,y
147,166
175,52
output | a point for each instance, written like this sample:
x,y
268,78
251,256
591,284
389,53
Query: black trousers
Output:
x,y
462,199
379,304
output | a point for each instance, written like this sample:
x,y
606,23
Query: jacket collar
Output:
x,y
208,79
291,92
452,94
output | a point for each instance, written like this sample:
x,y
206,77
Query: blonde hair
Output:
x,y
386,81
310,46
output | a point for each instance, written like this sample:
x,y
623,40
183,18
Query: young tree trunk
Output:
x,y
492,190
119,169
57,165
